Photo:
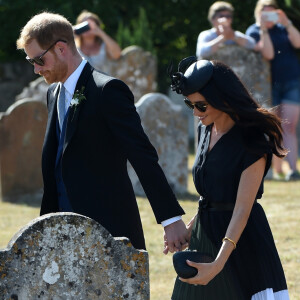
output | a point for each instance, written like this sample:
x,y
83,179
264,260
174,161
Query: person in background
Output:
x,y
220,15
95,45
277,40
237,138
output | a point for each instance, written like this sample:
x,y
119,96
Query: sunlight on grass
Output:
x,y
281,202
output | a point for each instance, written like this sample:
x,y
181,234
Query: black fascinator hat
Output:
x,y
192,75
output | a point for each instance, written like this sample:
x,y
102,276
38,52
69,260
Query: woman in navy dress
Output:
x,y
237,139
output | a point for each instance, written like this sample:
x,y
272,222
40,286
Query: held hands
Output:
x,y
176,237
206,272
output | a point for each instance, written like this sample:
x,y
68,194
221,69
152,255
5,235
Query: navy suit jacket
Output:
x,y
102,134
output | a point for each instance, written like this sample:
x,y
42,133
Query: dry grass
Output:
x,y
281,202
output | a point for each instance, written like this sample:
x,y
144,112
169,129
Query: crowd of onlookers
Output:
x,y
276,38
273,35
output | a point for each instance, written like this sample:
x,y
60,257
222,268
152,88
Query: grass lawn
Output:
x,y
281,202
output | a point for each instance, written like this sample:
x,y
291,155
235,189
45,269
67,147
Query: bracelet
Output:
x,y
230,240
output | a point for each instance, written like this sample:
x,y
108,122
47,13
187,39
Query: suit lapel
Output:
x,y
74,111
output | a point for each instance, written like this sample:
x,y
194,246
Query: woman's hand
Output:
x,y
94,28
188,234
189,228
264,24
206,272
282,18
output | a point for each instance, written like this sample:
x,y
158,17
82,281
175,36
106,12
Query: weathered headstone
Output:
x,y
253,70
178,99
66,256
136,67
13,77
22,130
167,129
36,90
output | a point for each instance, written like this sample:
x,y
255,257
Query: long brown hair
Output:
x,y
227,93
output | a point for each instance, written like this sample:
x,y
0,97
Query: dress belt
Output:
x,y
205,205
215,206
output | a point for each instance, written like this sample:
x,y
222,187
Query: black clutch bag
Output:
x,y
182,268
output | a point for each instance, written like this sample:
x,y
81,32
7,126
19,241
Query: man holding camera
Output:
x,y
93,129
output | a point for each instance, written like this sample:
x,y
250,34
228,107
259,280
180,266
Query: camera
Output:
x,y
270,16
81,28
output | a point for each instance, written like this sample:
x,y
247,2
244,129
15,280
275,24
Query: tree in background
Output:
x,y
167,28
138,33
292,8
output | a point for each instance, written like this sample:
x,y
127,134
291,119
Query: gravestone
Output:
x,y
253,70
22,130
167,128
136,67
36,90
13,77
64,256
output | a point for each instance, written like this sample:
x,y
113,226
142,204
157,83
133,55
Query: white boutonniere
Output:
x,y
78,97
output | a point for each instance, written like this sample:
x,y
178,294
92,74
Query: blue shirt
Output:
x,y
285,65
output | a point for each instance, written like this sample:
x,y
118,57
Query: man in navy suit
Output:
x,y
93,129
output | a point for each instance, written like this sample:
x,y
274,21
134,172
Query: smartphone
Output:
x,y
81,28
270,16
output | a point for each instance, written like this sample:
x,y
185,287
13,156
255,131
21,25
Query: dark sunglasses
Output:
x,y
200,105
39,59
227,16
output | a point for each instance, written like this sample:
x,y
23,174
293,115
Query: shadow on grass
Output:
x,y
33,199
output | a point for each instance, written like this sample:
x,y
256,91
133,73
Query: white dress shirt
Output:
x,y
70,84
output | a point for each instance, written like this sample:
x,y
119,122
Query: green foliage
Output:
x,y
292,9
168,28
139,33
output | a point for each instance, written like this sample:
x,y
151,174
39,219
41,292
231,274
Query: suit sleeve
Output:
x,y
120,113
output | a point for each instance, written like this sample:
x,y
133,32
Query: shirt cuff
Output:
x,y
170,221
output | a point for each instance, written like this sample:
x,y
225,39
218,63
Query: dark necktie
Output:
x,y
61,106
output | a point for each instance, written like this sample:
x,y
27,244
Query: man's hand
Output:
x,y
175,237
224,28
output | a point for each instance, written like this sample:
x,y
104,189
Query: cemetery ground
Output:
x,y
281,202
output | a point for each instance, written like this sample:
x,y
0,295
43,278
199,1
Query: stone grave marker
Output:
x,y
22,130
64,256
253,70
167,129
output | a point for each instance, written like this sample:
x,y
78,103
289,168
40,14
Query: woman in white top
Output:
x,y
95,45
